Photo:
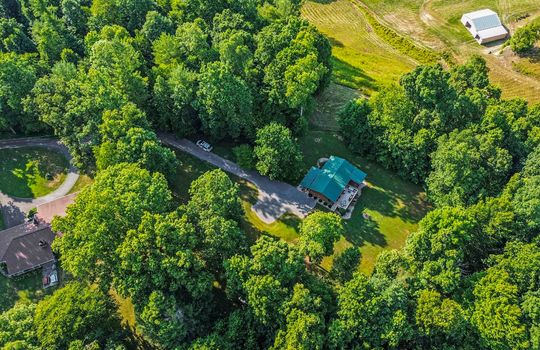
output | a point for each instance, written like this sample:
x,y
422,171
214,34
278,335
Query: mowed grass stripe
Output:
x,y
433,21
361,59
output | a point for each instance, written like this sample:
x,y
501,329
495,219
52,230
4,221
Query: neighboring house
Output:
x,y
484,25
335,184
27,247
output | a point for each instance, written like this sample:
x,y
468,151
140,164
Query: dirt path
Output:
x,y
14,209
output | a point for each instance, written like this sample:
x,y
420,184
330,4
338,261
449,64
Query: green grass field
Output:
x,y
366,61
361,59
31,172
328,103
82,182
436,23
395,205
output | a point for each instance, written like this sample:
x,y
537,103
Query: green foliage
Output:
x,y
159,255
73,100
277,154
51,36
97,223
468,278
224,102
305,324
244,156
399,42
354,125
18,74
400,125
436,250
318,233
13,38
524,38
371,313
467,167
75,312
174,98
440,320
346,264
126,138
17,330
214,194
129,14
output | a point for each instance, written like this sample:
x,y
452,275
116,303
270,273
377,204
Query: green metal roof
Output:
x,y
332,178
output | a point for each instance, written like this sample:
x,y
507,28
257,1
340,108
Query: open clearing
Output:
x,y
436,23
395,205
360,58
31,172
364,61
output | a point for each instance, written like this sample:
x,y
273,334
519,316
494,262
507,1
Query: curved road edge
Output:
x,y
14,209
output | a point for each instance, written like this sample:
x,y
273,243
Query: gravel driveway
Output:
x,y
15,209
275,198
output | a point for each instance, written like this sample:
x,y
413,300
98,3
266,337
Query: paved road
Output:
x,y
275,198
14,209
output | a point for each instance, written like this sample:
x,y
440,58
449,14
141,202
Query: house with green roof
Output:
x,y
335,184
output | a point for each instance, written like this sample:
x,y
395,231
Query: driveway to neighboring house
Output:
x,y
275,198
14,209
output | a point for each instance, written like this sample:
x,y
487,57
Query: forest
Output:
x,y
107,76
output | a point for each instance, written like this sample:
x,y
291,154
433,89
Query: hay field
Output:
x,y
365,61
361,60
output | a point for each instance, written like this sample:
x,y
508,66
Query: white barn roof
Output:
x,y
484,25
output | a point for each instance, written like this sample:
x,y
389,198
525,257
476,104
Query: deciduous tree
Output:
x,y
278,155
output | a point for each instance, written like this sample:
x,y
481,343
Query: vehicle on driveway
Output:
x,y
204,145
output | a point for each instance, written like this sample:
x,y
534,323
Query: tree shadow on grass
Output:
x,y
16,183
352,76
365,231
31,172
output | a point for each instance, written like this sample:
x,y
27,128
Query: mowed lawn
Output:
x,y
25,288
31,172
395,206
436,23
361,59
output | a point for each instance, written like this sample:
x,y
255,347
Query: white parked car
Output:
x,y
204,145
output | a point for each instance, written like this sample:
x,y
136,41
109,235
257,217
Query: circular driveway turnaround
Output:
x,y
15,209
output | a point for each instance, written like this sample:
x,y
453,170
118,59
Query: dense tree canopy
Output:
x,y
107,76
277,154
75,313
103,213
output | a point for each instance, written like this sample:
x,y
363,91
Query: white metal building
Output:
x,y
484,25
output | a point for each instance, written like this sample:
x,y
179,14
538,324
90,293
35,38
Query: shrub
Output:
x,y
244,156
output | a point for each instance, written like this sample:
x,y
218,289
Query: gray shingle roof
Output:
x,y
20,247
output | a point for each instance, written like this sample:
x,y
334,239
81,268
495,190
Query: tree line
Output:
x,y
105,75
83,70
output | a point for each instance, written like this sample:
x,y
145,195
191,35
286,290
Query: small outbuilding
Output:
x,y
335,184
484,25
